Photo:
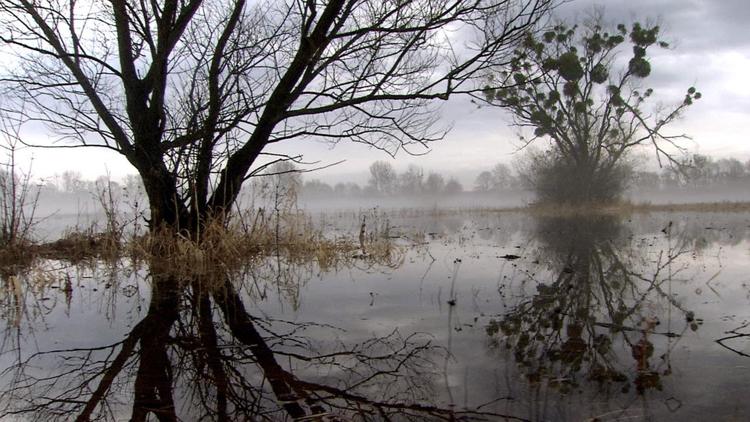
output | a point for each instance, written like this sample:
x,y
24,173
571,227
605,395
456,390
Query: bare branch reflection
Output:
x,y
594,317
200,354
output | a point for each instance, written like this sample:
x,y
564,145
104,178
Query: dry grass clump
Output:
x,y
77,245
15,257
221,247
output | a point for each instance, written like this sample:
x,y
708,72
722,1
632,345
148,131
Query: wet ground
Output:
x,y
480,316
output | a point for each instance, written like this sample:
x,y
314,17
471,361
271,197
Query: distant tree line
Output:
x,y
497,179
386,181
696,171
72,182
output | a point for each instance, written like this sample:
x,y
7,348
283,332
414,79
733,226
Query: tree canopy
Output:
x,y
572,86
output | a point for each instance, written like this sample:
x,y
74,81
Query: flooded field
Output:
x,y
475,316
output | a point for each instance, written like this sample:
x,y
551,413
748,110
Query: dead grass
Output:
x,y
16,257
218,248
79,245
290,235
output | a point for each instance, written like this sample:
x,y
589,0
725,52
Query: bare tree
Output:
x,y
19,195
71,181
411,182
483,182
347,189
193,92
730,169
453,186
383,177
435,183
280,185
499,178
502,176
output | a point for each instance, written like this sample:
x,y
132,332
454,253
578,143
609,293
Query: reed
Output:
x,y
223,248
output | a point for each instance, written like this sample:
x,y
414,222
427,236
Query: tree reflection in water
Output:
x,y
597,312
200,354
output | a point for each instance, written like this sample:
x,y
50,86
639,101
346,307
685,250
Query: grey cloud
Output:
x,y
689,24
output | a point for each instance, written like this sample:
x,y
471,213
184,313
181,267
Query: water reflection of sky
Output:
x,y
459,282
708,278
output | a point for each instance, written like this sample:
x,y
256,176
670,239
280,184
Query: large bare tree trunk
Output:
x,y
193,92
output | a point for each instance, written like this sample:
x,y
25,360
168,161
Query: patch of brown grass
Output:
x,y
293,237
15,257
217,251
80,245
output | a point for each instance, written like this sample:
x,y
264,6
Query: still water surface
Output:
x,y
479,317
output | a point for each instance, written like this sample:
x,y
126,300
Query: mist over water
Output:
x,y
482,311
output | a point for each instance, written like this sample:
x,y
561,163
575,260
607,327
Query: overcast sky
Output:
x,y
711,51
